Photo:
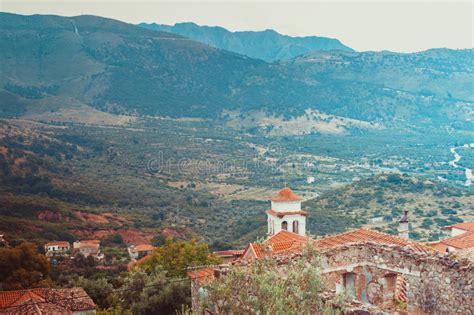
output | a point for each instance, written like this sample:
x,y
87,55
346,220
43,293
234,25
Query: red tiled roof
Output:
x,y
285,241
466,226
286,194
89,243
281,242
465,240
203,275
59,301
35,308
58,243
228,253
282,214
284,236
142,248
97,242
363,235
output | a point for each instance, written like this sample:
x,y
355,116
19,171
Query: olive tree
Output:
x,y
265,287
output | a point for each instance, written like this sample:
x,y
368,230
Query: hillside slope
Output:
x,y
378,202
267,45
124,69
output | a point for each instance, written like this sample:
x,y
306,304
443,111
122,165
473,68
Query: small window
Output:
x,y
296,226
284,225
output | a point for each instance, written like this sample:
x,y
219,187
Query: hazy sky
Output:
x,y
363,25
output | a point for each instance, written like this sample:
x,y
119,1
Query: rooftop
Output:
x,y
285,241
88,243
45,301
286,194
466,226
142,248
463,241
203,275
228,253
363,235
58,243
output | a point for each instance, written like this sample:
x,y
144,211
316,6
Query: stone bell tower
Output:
x,y
286,213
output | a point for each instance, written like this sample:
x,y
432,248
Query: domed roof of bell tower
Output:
x,y
285,195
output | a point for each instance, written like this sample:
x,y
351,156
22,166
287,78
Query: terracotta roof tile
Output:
x,y
286,194
362,235
142,248
465,240
466,226
284,236
203,275
227,253
285,241
57,243
67,300
258,249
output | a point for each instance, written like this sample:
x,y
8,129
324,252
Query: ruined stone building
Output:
x,y
381,273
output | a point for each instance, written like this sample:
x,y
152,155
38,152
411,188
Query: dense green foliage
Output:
x,y
175,257
260,288
23,267
152,292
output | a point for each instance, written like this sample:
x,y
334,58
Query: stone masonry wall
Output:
x,y
436,284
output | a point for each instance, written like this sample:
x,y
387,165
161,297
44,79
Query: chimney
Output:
x,y
403,227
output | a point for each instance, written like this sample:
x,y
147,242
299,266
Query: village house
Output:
x,y
40,301
391,274
88,248
462,238
139,251
228,255
56,248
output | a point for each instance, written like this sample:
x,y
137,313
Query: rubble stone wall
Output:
x,y
436,284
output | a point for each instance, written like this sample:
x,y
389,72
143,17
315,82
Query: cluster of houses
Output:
x,y
92,248
62,301
84,247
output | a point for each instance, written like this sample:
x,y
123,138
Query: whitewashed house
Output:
x,y
140,251
56,248
88,248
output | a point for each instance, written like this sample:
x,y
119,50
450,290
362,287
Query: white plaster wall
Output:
x,y
403,230
286,206
289,218
456,232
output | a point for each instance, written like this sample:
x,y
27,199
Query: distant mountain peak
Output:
x,y
268,45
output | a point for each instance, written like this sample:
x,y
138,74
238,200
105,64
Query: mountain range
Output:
x,y
53,63
267,45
